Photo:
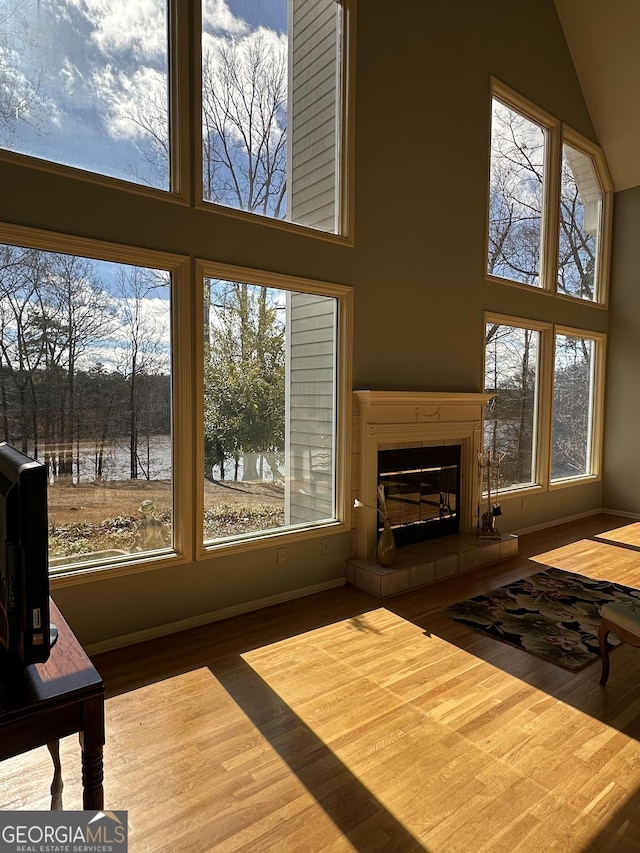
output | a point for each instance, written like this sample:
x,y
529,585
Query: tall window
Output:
x,y
545,420
510,427
271,109
516,196
549,203
86,365
581,200
86,84
271,359
576,408
105,86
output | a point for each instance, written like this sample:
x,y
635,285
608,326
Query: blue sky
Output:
x,y
91,59
266,13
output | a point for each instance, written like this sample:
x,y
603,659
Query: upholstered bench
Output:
x,y
623,620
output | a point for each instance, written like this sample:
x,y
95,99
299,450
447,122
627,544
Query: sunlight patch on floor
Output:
x,y
628,534
590,557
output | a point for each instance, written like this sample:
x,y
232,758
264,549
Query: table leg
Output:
x,y
57,785
92,776
91,741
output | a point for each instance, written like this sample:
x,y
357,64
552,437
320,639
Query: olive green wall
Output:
x,y
416,266
622,435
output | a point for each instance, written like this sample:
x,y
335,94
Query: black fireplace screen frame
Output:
x,y
422,489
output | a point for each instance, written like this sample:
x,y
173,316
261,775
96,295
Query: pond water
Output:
x,y
154,460
154,457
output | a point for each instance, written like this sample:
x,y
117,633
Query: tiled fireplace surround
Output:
x,y
386,420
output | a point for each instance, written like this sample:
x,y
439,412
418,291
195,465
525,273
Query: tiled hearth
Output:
x,y
418,565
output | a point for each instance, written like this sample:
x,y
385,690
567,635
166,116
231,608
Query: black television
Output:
x,y
26,633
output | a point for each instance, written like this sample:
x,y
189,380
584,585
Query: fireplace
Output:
x,y
433,424
422,488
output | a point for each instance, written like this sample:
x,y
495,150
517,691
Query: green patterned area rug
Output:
x,y
554,615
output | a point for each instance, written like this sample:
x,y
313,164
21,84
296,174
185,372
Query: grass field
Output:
x,y
113,515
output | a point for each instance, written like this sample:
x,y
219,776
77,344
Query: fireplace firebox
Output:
x,y
422,488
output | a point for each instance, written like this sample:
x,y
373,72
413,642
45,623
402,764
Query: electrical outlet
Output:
x,y
324,547
281,556
523,505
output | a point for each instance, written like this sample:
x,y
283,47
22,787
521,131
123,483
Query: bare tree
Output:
x,y
244,102
138,105
515,196
21,341
51,310
516,202
572,406
143,350
577,240
21,102
75,313
511,371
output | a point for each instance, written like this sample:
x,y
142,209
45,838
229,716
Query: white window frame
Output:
x,y
185,135
343,380
603,249
556,134
187,274
544,405
542,414
179,136
597,406
182,488
345,153
188,403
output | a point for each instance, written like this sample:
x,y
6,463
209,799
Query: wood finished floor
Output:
x,y
340,722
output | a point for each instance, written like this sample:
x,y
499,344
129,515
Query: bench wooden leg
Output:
x,y
603,633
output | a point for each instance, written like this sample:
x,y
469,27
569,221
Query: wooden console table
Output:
x,y
45,702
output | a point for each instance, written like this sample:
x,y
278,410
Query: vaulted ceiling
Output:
x,y
604,39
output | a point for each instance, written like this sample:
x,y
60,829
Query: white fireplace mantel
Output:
x,y
389,420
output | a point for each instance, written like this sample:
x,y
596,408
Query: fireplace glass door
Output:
x,y
422,488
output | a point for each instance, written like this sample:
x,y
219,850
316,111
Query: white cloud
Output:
x,y
127,25
275,42
154,319
217,16
141,25
137,104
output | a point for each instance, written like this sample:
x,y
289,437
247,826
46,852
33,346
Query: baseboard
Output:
x,y
558,521
635,515
207,618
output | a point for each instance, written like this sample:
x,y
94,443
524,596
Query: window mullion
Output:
x,y
545,412
596,396
604,248
184,455
181,122
551,210
597,425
